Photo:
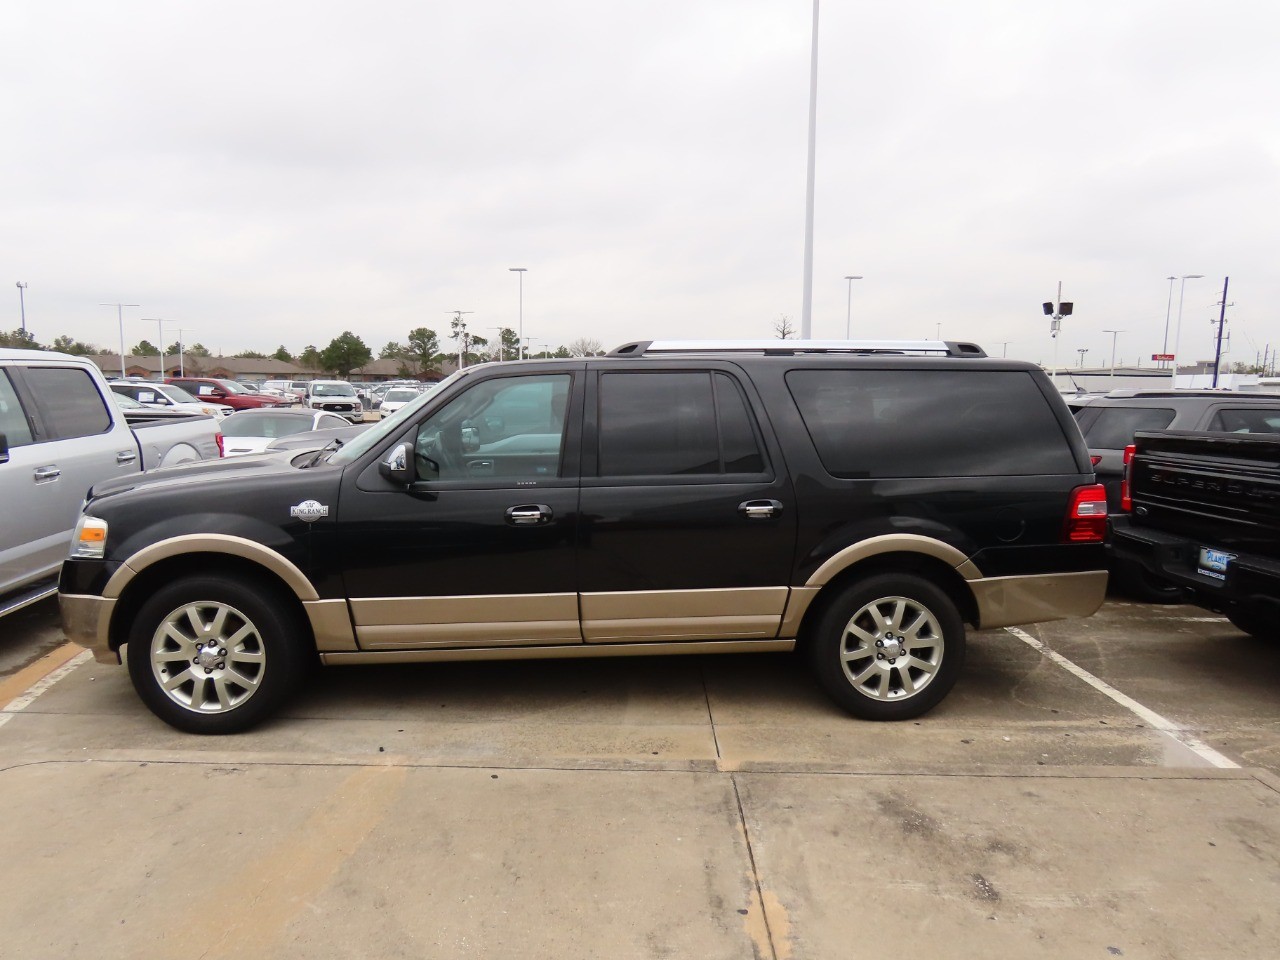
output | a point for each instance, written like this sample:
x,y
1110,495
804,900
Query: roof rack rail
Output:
x,y
789,348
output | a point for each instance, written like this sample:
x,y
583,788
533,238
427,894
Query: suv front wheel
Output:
x,y
889,647
214,655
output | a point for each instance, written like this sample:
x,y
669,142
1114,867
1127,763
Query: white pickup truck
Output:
x,y
61,431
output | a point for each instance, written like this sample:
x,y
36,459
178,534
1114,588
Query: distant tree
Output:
x,y
19,339
392,351
783,328
586,347
145,348
199,350
65,344
309,359
251,355
174,348
509,341
421,355
345,353
282,354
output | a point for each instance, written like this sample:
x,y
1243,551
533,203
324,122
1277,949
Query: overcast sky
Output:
x,y
278,172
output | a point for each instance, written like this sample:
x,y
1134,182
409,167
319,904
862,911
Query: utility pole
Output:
x,y
1056,311
1082,351
1222,321
1114,335
460,331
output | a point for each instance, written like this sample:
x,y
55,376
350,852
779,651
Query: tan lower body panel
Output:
x,y
84,621
397,623
559,652
1008,601
658,615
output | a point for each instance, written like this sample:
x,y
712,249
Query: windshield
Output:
x,y
231,386
373,436
400,395
126,402
332,390
267,425
177,394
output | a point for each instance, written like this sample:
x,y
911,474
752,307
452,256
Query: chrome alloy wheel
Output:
x,y
207,657
891,648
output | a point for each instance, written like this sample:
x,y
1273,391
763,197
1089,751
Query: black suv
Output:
x,y
1109,423
860,501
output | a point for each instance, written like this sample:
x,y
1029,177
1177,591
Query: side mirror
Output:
x,y
397,466
4,448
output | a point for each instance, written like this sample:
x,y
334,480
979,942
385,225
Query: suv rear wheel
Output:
x,y
214,655
889,647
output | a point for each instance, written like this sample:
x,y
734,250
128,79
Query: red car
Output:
x,y
226,392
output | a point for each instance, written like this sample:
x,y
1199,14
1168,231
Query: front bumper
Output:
x,y
86,620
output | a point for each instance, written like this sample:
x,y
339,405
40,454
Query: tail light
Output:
x,y
1126,490
1086,520
221,442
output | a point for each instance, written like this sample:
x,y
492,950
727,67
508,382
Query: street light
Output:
x,y
1164,348
806,312
1082,351
120,319
1114,335
181,368
520,272
1177,337
848,309
160,332
22,307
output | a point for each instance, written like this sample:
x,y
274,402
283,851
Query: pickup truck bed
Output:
x,y
1206,517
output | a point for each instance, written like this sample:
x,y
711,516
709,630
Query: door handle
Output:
x,y
126,456
529,514
47,474
760,509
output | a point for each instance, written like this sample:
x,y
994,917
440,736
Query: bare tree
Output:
x,y
586,347
783,328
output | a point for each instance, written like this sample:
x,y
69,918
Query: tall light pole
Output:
x,y
22,307
160,332
1114,335
120,319
1082,351
806,312
1222,322
181,350
848,307
520,272
1177,337
1164,348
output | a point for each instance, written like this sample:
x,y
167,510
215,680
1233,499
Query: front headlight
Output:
x,y
90,539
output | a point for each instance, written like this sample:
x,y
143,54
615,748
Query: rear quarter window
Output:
x,y
1113,428
1247,421
930,423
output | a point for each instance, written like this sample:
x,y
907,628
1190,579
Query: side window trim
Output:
x,y
26,406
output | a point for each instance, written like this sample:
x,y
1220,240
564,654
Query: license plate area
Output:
x,y
1214,563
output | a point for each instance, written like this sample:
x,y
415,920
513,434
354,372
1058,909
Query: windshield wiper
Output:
x,y
330,447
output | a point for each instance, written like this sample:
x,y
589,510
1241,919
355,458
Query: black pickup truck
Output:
x,y
1203,512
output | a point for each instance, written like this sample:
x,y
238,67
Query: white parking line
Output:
x,y
1152,719
40,686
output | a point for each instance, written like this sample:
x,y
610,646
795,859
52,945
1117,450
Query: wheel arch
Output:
x,y
147,575
927,565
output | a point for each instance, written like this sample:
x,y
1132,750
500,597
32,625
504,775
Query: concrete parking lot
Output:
x,y
1096,788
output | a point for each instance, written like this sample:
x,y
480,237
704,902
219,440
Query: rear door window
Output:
x,y
13,419
69,403
675,424
1114,427
930,423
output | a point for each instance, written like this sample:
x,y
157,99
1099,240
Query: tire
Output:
x,y
1137,584
918,622
1258,622
255,666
